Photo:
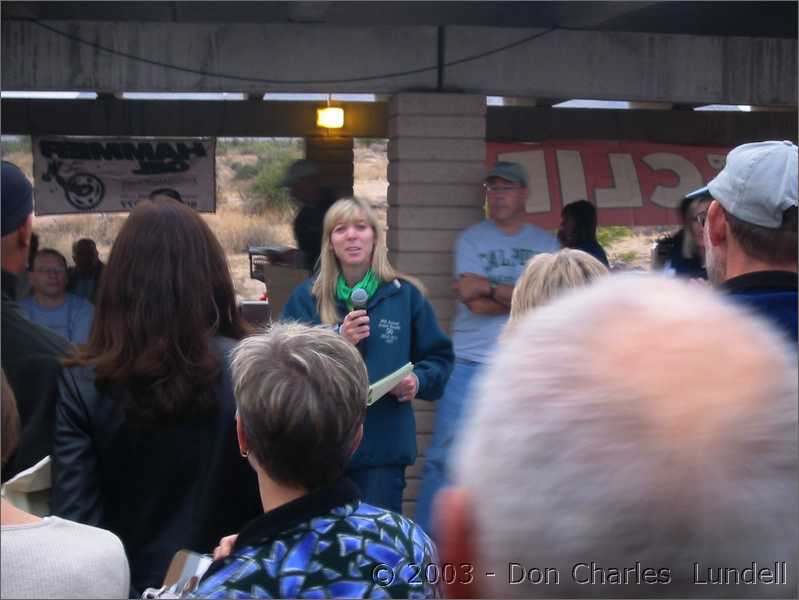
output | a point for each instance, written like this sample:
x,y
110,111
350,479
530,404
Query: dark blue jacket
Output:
x,y
772,294
593,248
402,328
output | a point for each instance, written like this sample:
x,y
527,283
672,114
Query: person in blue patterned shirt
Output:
x,y
301,395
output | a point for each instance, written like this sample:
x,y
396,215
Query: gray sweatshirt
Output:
x,y
55,558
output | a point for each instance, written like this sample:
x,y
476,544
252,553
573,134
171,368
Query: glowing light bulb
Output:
x,y
330,117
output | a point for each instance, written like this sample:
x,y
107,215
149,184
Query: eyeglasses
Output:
x,y
51,271
701,217
495,189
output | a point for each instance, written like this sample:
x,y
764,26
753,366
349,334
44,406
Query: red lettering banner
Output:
x,y
630,183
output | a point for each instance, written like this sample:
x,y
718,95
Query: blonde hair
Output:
x,y
547,275
349,210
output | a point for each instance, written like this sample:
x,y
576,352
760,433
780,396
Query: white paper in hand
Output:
x,y
382,387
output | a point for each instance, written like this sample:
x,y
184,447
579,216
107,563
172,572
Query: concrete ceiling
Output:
x,y
687,53
759,19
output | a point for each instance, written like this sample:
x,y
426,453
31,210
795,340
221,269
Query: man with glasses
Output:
x,y
51,306
489,258
750,230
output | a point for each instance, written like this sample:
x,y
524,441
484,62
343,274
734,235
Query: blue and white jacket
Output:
x,y
402,328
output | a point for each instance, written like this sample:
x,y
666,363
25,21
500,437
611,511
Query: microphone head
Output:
x,y
359,298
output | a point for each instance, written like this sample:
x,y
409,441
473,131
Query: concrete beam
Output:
x,y
185,118
557,64
259,55
521,124
625,66
297,119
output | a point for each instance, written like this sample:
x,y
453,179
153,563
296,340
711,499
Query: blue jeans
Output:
x,y
381,486
450,409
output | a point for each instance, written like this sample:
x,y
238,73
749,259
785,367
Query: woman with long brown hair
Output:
x,y
145,441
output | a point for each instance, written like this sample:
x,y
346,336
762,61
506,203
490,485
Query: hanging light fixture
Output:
x,y
330,117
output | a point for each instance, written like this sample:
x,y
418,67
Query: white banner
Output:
x,y
105,174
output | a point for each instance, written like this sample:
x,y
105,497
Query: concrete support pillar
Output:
x,y
334,156
436,154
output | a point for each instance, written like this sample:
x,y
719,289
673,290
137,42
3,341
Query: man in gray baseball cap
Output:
x,y
489,258
750,230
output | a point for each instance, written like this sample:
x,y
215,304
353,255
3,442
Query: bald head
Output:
x,y
640,419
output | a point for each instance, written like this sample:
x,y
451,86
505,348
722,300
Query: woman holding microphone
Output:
x,y
396,326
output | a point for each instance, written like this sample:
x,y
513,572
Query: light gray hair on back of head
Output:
x,y
637,420
301,395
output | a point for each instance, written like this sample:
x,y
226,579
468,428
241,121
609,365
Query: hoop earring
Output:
x,y
244,453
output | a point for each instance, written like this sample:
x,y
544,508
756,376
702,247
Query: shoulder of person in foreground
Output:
x,y
27,337
357,551
95,565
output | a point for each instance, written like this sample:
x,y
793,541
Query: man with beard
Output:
x,y
750,230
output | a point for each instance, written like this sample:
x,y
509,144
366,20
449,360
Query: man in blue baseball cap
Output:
x,y
30,353
489,258
750,230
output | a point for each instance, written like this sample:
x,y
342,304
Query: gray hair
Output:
x,y
301,395
637,419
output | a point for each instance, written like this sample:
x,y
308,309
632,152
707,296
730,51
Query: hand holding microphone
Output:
x,y
356,324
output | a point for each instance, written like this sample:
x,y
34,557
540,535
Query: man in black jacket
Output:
x,y
30,354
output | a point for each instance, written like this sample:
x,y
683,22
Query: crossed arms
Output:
x,y
481,297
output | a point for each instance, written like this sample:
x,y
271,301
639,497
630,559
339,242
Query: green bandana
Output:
x,y
369,284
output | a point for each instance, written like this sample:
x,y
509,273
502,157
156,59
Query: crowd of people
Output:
x,y
596,434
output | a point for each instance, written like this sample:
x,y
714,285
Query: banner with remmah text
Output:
x,y
104,174
630,183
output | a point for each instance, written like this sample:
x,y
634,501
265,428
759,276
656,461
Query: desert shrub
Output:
x,y
627,256
237,231
607,236
266,192
245,171
60,231
262,147
15,143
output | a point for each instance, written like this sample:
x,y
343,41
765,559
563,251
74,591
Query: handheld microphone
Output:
x,y
359,298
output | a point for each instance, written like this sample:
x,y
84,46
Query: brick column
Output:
x,y
436,154
335,157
